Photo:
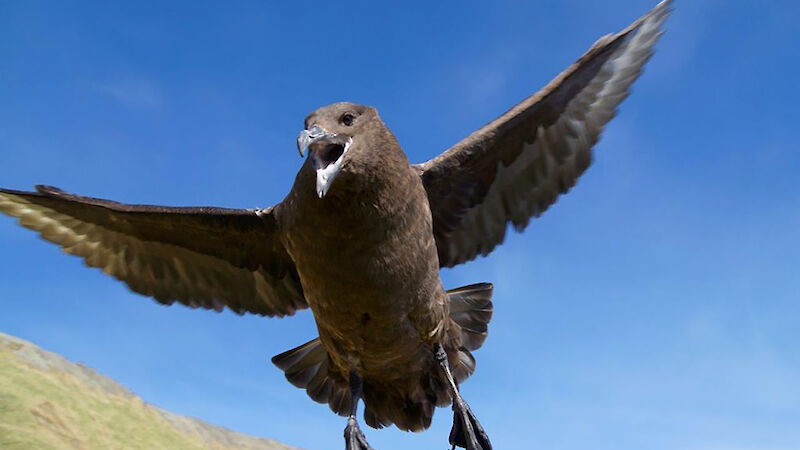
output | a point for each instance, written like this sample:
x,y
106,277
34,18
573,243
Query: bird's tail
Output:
x,y
411,407
306,367
407,405
471,308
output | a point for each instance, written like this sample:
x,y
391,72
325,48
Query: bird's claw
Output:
x,y
467,432
354,438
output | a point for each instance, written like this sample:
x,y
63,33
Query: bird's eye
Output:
x,y
347,119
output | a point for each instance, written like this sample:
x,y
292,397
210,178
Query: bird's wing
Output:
x,y
201,257
515,167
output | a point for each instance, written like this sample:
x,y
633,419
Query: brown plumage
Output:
x,y
361,236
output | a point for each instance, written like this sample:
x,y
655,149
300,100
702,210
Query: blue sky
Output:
x,y
657,306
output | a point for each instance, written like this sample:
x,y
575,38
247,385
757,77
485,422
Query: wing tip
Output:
x,y
653,19
660,12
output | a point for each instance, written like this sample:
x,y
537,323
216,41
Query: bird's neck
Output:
x,y
376,194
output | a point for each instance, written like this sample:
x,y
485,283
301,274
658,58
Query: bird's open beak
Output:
x,y
326,151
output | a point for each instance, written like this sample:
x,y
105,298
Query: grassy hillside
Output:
x,y
48,402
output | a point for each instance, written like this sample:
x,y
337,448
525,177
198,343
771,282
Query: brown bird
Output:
x,y
360,239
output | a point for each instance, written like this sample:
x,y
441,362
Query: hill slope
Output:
x,y
48,402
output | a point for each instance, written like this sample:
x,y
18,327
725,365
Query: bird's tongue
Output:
x,y
324,155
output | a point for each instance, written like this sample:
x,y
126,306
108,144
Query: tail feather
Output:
x,y
306,367
471,308
462,367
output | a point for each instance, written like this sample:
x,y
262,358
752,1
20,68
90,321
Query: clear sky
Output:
x,y
656,306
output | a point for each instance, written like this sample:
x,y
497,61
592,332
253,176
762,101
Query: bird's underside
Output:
x,y
360,239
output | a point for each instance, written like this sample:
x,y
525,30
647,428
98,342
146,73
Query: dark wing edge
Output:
x,y
201,257
515,167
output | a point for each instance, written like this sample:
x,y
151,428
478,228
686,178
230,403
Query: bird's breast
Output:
x,y
369,271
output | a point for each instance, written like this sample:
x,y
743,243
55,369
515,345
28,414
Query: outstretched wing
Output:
x,y
515,167
201,257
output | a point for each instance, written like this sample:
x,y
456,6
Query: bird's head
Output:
x,y
337,135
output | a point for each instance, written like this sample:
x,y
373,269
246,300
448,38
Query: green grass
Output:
x,y
50,408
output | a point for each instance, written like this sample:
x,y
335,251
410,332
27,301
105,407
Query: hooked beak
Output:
x,y
326,151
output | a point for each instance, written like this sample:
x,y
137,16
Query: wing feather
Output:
x,y
515,167
201,257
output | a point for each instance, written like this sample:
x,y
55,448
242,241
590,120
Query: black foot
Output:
x,y
467,432
353,437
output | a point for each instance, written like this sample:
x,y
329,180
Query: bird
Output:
x,y
361,237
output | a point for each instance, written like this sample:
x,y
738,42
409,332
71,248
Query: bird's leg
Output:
x,y
353,437
467,432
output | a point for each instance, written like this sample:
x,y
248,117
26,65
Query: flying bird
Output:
x,y
360,239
